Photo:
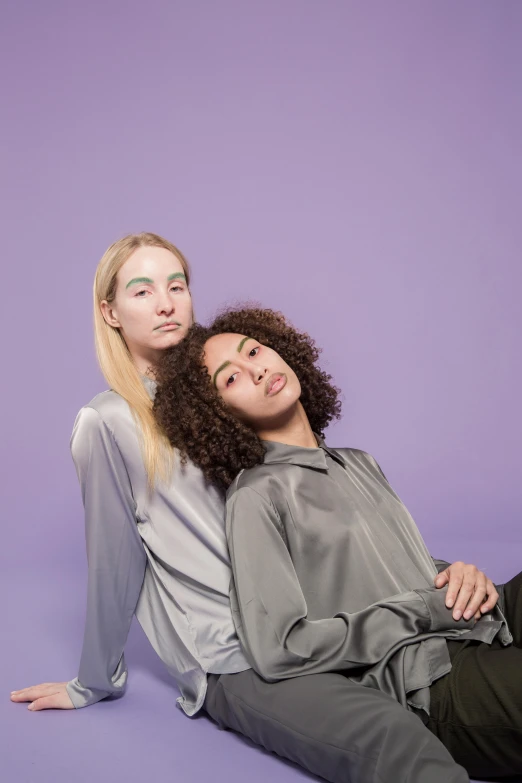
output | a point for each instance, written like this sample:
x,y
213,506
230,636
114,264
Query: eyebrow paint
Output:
x,y
174,276
138,280
225,364
243,341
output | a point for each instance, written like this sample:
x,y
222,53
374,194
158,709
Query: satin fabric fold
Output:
x,y
332,574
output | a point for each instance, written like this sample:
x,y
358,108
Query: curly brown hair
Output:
x,y
195,419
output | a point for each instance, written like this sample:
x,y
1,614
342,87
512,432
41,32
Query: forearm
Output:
x,y
116,561
273,625
281,644
115,685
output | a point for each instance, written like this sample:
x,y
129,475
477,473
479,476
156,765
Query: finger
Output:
x,y
477,598
492,598
35,692
45,703
478,615
456,577
441,579
56,701
23,690
26,695
474,604
30,688
465,593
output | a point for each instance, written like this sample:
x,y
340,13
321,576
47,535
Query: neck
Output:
x,y
294,431
146,362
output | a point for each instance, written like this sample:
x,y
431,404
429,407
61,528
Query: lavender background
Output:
x,y
356,164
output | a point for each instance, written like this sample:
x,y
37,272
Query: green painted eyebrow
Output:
x,y
241,344
175,276
225,364
139,280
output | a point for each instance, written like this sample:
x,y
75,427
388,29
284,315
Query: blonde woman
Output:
x,y
156,547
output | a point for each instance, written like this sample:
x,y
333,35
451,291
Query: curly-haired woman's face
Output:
x,y
253,380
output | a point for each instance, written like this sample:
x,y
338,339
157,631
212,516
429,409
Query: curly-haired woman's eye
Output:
x,y
253,352
231,379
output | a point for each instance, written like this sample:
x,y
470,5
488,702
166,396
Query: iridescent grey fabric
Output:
x,y
161,555
331,573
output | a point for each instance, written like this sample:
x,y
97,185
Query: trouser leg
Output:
x,y
332,727
476,709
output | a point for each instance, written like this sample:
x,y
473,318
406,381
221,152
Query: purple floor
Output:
x,y
143,736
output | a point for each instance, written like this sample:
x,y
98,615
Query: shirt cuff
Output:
x,y
84,697
441,618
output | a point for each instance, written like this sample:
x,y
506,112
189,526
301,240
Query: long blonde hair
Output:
x,y
115,360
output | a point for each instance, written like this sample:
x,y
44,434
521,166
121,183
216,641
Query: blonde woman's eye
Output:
x,y
254,352
140,293
177,288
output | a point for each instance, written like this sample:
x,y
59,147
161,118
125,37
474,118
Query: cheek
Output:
x,y
137,317
185,307
242,405
296,386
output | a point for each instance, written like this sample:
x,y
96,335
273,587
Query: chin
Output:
x,y
173,338
286,406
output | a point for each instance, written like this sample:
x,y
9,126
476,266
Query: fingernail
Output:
x,y
30,707
457,615
467,615
13,692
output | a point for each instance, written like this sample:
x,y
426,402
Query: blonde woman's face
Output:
x,y
152,306
258,386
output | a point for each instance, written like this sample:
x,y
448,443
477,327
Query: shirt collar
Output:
x,y
298,455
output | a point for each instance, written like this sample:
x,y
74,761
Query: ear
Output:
x,y
109,314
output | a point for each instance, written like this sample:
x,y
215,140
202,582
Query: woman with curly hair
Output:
x,y
156,543
331,577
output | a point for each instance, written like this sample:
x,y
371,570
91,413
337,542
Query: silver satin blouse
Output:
x,y
160,555
331,573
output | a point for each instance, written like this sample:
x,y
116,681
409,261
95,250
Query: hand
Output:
x,y
469,591
47,696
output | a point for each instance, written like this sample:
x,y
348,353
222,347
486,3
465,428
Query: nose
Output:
x,y
258,373
165,305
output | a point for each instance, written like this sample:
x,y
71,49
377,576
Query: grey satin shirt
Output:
x,y
160,555
331,573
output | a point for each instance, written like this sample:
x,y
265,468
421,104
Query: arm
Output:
x,y
440,565
271,612
467,588
116,560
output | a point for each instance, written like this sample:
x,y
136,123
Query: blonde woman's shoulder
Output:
x,y
107,408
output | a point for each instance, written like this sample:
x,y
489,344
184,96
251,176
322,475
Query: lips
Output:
x,y
167,326
275,383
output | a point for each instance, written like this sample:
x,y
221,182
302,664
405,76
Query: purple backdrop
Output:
x,y
357,165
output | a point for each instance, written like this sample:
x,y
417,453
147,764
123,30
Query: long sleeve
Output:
x,y
440,565
116,560
270,610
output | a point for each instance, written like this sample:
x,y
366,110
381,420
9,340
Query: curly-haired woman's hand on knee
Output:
x,y
470,592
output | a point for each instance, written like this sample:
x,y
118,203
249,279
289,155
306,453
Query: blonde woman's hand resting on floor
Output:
x,y
46,696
